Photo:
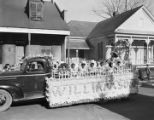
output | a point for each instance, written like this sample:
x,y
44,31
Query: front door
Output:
x,y
34,80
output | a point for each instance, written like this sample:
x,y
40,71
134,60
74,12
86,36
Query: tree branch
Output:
x,y
111,6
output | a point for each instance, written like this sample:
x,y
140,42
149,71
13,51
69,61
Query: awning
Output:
x,y
78,44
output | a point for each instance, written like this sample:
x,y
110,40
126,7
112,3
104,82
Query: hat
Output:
x,y
92,61
72,63
61,62
83,62
114,54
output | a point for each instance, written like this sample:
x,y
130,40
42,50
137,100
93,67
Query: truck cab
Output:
x,y
26,83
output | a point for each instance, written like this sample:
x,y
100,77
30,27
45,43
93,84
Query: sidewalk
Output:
x,y
149,83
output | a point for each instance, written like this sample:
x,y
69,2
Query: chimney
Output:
x,y
64,15
53,1
115,13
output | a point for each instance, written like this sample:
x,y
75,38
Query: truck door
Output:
x,y
34,79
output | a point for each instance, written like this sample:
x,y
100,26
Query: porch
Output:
x,y
141,49
14,46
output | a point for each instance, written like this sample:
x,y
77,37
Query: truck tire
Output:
x,y
5,100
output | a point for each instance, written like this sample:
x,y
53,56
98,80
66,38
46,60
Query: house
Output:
x,y
77,46
136,26
29,28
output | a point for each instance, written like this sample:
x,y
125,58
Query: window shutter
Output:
x,y
36,10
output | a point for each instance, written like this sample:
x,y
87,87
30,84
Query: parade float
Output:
x,y
68,88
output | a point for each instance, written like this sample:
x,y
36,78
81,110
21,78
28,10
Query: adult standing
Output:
x,y
148,72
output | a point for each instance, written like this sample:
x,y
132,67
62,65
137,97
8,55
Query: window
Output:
x,y
81,53
35,66
36,10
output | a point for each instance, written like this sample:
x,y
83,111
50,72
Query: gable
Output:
x,y
139,23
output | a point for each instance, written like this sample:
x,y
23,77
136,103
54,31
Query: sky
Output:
x,y
82,9
79,9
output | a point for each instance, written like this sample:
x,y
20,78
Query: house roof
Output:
x,y
81,28
77,44
108,26
12,14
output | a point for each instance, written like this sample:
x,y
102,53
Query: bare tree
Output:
x,y
108,8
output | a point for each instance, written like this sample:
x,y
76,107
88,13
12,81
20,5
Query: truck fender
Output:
x,y
15,91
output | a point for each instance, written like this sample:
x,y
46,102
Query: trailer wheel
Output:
x,y
5,100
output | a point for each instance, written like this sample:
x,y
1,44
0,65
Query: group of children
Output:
x,y
91,67
94,67
8,67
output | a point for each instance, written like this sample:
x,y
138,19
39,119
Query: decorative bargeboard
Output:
x,y
81,89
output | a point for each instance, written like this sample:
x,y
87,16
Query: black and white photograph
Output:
x,y
76,59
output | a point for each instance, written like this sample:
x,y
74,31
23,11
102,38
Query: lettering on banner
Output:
x,y
70,90
58,90
76,92
98,87
93,87
85,90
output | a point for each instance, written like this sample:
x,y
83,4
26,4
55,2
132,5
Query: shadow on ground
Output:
x,y
138,107
41,102
44,104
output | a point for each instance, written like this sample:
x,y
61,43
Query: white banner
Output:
x,y
61,92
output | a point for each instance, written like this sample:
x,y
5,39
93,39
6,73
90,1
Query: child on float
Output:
x,y
7,67
108,65
63,70
55,65
98,67
92,67
74,69
102,68
83,68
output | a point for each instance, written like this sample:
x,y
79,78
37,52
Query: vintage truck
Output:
x,y
30,82
142,72
24,84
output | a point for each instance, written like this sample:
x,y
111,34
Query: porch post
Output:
x,y
68,49
29,44
77,53
115,40
63,49
130,47
147,42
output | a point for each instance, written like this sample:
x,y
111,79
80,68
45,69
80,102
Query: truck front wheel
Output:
x,y
5,100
